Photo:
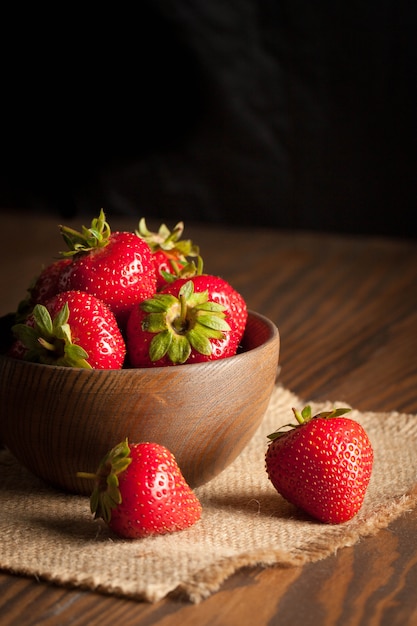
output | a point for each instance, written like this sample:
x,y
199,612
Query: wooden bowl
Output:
x,y
57,421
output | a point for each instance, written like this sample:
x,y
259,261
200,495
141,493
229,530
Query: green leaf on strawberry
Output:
x,y
49,340
185,270
139,490
182,324
72,329
106,493
80,242
305,416
168,241
169,252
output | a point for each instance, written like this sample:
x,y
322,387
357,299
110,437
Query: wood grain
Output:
x,y
346,309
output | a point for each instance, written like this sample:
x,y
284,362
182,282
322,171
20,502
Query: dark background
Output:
x,y
286,113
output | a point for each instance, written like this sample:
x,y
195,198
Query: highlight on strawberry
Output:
x,y
139,490
322,464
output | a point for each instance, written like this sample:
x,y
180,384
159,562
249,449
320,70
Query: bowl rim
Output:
x,y
273,334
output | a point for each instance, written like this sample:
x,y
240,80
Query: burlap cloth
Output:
x,y
52,536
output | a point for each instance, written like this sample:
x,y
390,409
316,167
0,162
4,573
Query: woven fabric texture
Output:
x,y
52,536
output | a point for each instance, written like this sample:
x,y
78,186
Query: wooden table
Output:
x,y
346,308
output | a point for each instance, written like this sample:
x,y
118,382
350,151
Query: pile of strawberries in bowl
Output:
x,y
128,299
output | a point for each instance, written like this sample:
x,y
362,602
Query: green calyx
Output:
x,y
49,341
106,493
81,242
183,270
181,324
305,416
168,241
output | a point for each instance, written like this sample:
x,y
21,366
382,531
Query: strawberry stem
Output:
x,y
302,416
181,321
81,242
88,475
106,494
47,345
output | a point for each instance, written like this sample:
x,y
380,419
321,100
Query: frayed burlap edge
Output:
x,y
209,581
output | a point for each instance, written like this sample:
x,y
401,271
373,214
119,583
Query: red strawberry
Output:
x,y
140,491
115,267
170,253
42,289
220,291
322,465
183,325
46,284
73,329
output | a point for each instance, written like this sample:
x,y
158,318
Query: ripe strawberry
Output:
x,y
182,325
323,465
140,491
115,267
73,329
170,253
47,283
43,287
220,291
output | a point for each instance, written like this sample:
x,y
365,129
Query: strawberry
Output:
x,y
73,329
220,291
43,287
46,284
322,465
169,252
140,491
181,324
115,267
